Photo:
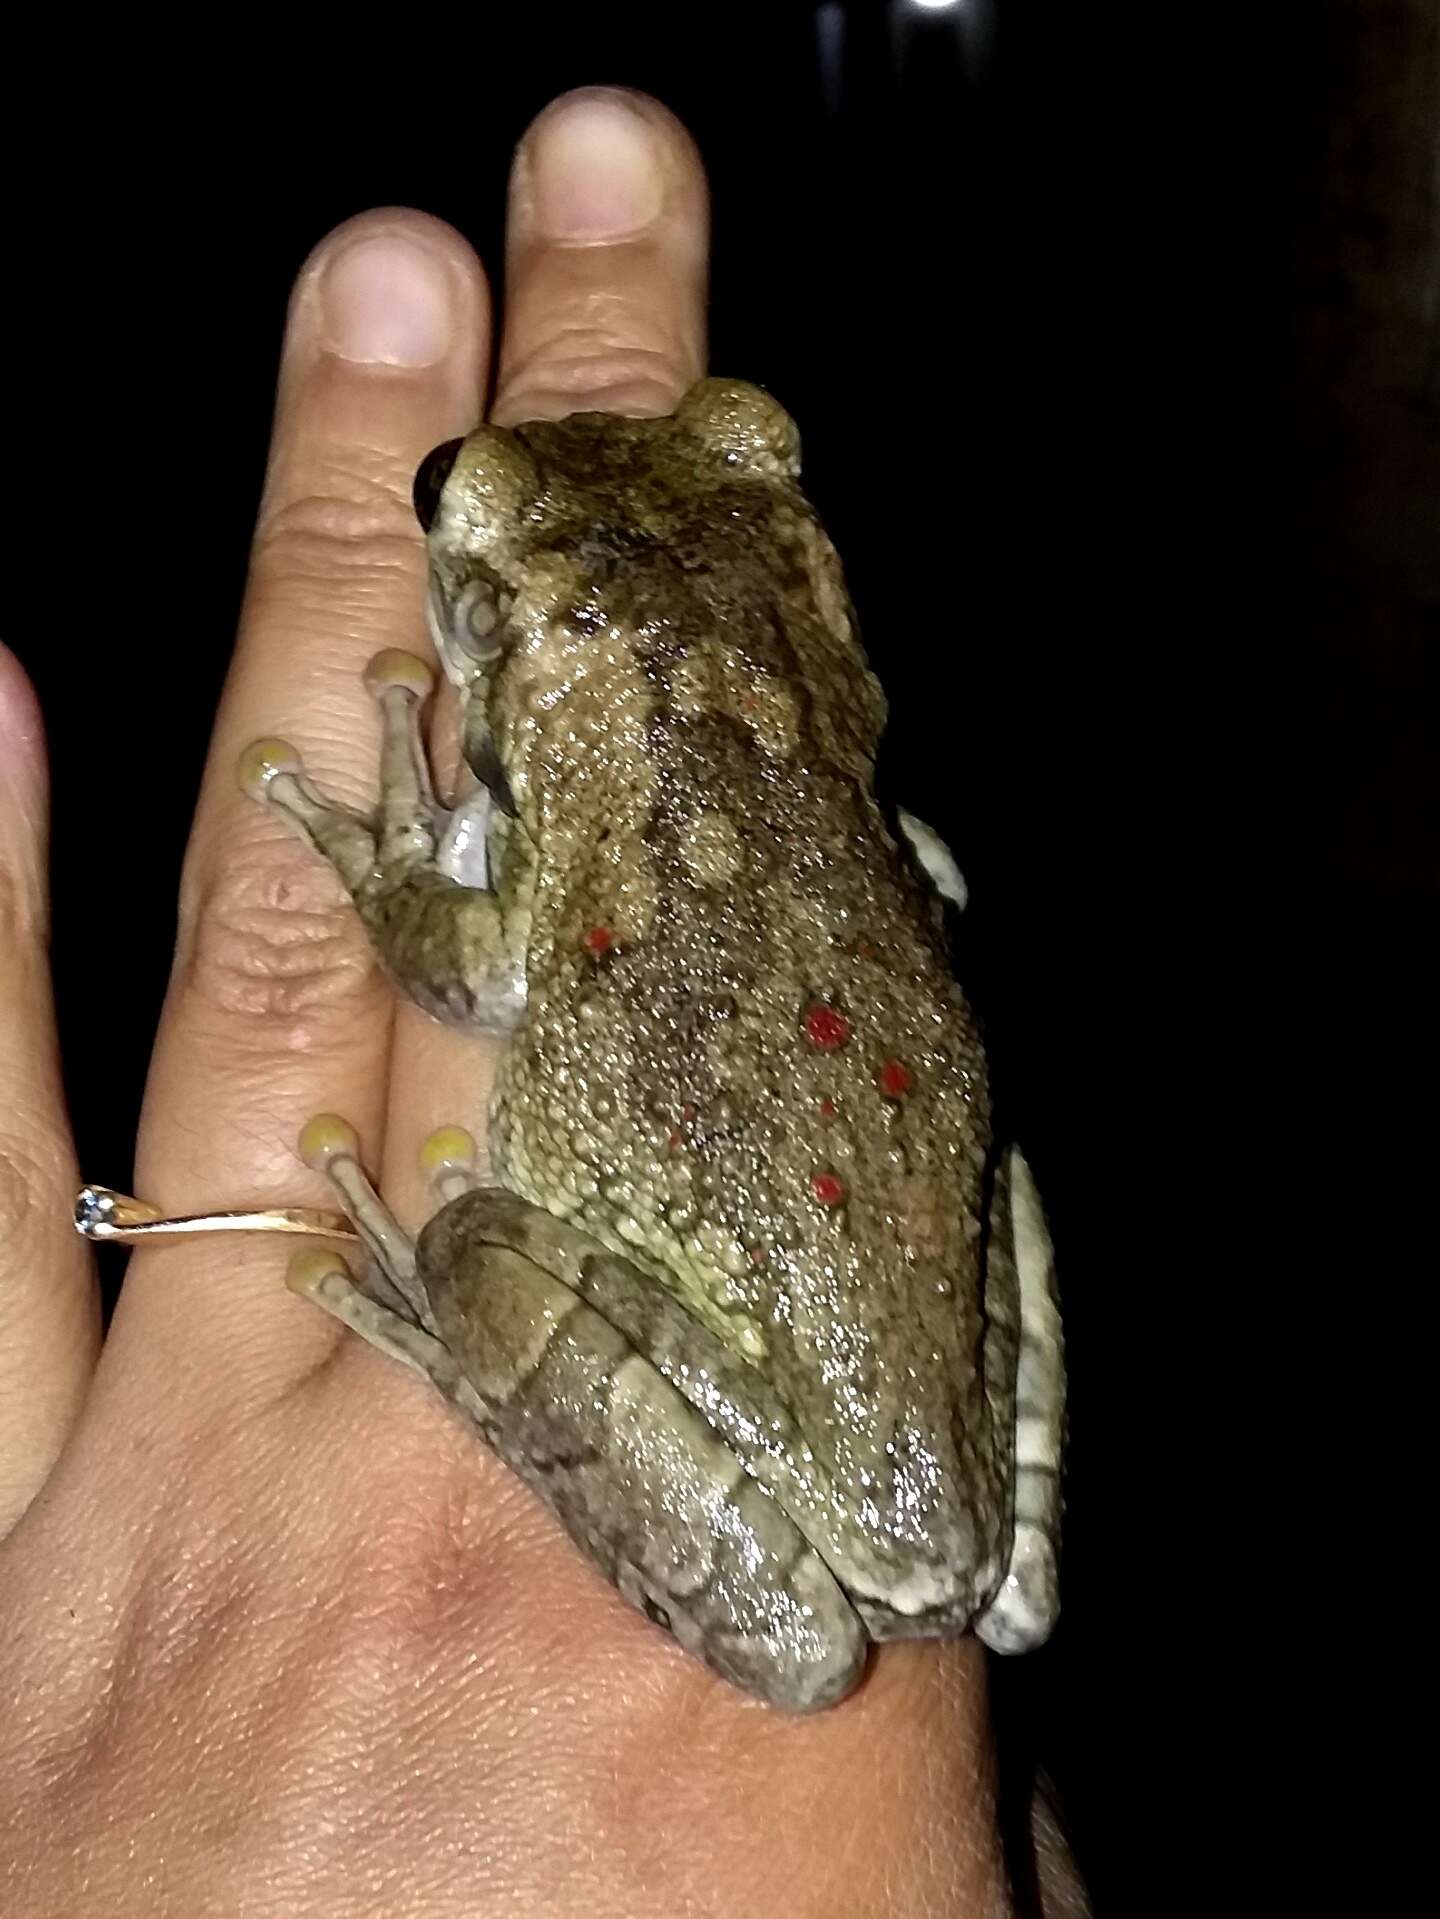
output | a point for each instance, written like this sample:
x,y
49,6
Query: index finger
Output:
x,y
605,261
276,1008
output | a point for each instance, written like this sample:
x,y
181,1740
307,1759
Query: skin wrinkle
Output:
x,y
339,530
607,316
260,892
352,475
641,294
594,382
580,337
24,899
268,966
24,909
28,1180
47,1335
71,1737
322,609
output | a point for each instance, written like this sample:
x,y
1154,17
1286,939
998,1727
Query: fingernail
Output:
x,y
596,170
387,302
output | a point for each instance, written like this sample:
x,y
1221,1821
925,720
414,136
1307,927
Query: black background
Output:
x,y
1101,329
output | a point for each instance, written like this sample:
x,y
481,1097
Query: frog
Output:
x,y
743,1286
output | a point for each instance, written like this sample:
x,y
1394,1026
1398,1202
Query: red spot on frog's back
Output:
x,y
896,1079
826,1028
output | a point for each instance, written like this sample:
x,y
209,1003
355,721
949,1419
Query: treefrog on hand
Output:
x,y
749,1294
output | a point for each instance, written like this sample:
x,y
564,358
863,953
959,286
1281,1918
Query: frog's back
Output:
x,y
745,1060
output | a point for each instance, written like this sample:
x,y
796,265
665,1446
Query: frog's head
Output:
x,y
493,502
550,538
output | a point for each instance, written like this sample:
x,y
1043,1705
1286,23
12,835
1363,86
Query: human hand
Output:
x,y
276,1633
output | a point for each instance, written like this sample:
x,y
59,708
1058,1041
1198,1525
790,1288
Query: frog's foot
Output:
x,y
330,1145
420,875
1024,1608
387,1305
322,1277
451,1159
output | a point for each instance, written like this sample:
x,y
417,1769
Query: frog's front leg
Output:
x,y
441,893
644,1483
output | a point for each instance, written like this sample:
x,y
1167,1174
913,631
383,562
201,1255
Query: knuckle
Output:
x,y
30,1176
354,519
272,942
22,904
596,360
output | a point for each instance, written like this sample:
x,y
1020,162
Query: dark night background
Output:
x,y
1112,338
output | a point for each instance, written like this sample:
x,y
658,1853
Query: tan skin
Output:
x,y
276,1634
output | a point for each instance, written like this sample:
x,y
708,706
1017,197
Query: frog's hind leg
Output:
x,y
582,1413
421,877
583,1404
1023,1610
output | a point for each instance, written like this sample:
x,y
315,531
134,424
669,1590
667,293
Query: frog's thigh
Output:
x,y
732,1397
1024,1609
936,859
639,1479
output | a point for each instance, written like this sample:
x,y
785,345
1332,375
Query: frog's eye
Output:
x,y
430,477
477,623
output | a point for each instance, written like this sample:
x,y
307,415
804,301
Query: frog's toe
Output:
x,y
262,760
272,772
325,1139
320,1275
450,1159
935,859
330,1145
395,670
1022,1614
